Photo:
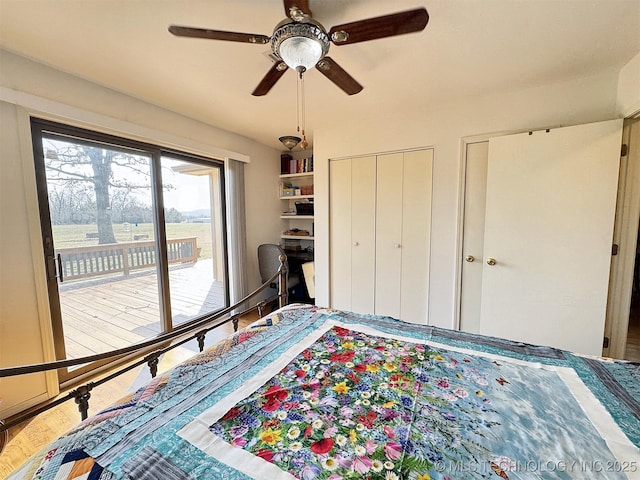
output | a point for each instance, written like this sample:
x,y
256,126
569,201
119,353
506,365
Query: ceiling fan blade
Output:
x,y
334,72
270,79
218,35
303,5
380,27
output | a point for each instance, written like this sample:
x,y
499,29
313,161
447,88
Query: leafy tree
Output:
x,y
172,215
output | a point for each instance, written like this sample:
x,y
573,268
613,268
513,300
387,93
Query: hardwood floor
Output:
x,y
31,436
632,351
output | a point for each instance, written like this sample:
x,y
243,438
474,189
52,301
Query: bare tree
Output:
x,y
72,202
70,163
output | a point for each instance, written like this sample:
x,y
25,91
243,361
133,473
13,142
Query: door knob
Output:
x,y
491,261
469,258
396,245
355,244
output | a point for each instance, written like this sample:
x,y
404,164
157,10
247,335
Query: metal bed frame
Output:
x,y
164,343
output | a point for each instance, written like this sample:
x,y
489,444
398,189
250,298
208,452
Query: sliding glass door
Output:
x,y
193,196
133,239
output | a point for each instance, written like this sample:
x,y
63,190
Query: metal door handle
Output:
x,y
469,258
60,277
491,261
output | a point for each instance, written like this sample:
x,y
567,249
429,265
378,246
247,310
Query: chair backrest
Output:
x,y
269,260
309,274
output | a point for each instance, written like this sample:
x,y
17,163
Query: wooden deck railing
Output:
x,y
91,261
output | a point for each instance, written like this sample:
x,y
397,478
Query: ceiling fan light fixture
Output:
x,y
300,45
300,52
289,141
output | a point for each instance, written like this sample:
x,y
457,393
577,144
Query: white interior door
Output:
x,y
475,193
550,208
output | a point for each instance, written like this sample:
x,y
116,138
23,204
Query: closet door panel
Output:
x,y
416,229
340,235
363,230
389,235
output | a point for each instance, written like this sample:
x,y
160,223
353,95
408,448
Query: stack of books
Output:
x,y
288,165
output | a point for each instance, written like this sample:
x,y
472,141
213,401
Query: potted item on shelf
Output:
x,y
288,190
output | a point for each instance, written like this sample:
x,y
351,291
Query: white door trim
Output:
x,y
462,181
626,237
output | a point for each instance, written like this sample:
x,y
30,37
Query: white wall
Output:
x,y
628,94
23,307
20,329
579,101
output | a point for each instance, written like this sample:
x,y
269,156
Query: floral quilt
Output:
x,y
331,395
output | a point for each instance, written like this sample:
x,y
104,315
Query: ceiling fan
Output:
x,y
301,43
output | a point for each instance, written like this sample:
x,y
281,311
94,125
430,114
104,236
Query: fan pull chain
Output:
x,y
301,111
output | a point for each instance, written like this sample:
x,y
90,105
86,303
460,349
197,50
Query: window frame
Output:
x,y
42,128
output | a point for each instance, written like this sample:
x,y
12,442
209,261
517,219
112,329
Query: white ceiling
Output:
x,y
469,47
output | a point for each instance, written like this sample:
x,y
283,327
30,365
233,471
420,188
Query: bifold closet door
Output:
x,y
340,233
389,235
380,221
403,224
416,235
352,225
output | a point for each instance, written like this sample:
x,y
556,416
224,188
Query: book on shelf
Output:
x,y
289,165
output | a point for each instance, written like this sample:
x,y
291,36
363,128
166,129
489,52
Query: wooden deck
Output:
x,y
114,312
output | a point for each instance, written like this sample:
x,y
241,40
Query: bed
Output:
x,y
313,393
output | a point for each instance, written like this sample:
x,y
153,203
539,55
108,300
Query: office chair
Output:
x,y
268,264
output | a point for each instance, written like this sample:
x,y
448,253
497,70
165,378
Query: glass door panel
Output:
x,y
194,212
104,253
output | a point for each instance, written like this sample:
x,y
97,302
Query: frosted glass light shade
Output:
x,y
300,52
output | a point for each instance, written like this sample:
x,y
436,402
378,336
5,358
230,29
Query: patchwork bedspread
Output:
x,y
313,393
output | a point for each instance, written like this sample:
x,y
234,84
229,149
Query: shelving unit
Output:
x,y
296,200
297,188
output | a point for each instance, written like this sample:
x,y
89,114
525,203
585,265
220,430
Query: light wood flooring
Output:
x,y
632,352
31,436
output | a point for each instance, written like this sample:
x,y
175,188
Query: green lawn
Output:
x,y
76,235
